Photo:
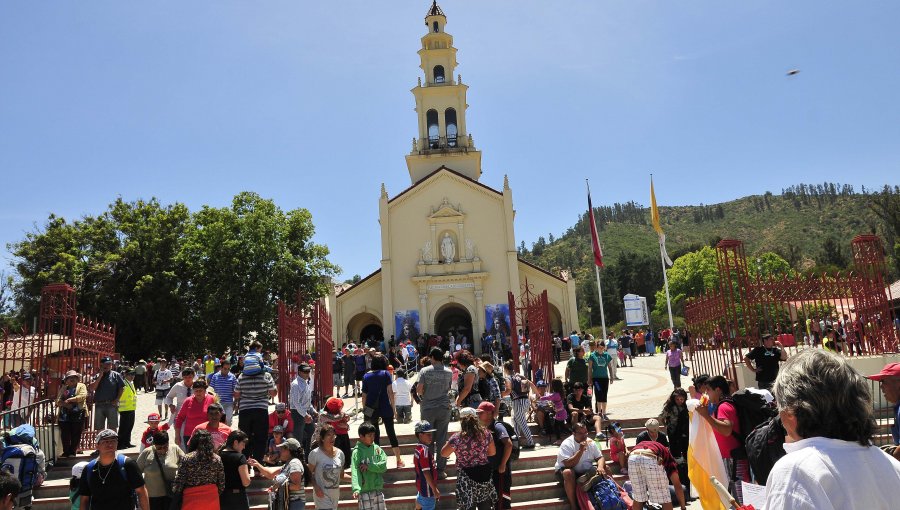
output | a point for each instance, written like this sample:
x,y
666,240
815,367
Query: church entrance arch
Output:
x,y
364,327
555,319
453,318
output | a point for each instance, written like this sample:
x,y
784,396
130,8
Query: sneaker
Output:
x,y
442,475
527,447
601,437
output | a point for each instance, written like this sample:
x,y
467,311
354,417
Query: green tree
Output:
x,y
244,258
832,254
691,275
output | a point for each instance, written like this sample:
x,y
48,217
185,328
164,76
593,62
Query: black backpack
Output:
x,y
511,432
765,445
752,411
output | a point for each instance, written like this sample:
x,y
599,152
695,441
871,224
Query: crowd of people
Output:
x,y
194,455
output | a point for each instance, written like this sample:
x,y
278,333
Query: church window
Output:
x,y
434,135
434,26
439,74
450,122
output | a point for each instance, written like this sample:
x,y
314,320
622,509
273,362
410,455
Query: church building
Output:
x,y
448,244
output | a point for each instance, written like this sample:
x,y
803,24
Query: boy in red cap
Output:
x,y
333,415
153,422
889,377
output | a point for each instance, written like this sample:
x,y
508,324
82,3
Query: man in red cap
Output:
x,y
889,377
501,461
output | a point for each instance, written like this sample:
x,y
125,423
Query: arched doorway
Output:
x,y
453,318
555,319
364,326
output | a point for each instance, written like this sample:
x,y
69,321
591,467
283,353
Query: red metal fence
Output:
x,y
531,313
64,341
798,310
299,328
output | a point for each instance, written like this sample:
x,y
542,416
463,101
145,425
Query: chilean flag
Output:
x,y
595,239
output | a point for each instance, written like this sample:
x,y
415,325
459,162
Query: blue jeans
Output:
x,y
404,414
425,503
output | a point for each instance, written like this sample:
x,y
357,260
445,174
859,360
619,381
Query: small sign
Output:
x,y
636,313
444,286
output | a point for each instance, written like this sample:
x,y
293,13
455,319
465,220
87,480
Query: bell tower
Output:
x,y
441,108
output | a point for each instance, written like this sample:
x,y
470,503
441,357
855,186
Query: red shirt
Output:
x,y
660,451
192,413
726,411
285,421
147,436
219,435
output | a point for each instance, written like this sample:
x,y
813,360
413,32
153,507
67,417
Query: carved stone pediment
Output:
x,y
446,210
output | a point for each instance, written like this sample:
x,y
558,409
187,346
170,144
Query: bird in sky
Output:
x,y
793,72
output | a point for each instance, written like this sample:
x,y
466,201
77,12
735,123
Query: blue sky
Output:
x,y
308,103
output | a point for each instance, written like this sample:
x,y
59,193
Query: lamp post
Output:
x,y
590,319
240,323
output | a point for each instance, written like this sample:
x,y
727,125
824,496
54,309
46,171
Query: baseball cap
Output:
x,y
152,417
78,468
105,434
105,359
424,426
281,406
278,428
304,367
467,411
334,405
26,376
291,444
542,384
889,370
486,407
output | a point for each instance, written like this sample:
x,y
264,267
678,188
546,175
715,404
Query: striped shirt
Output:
x,y
422,461
224,386
254,390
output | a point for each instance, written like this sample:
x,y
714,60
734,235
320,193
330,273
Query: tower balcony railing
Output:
x,y
434,144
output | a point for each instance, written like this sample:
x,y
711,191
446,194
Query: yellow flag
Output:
x,y
654,211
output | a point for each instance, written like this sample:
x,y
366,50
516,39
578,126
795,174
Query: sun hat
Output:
x,y
72,373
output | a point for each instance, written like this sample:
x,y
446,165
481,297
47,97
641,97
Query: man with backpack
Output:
x,y
503,436
112,481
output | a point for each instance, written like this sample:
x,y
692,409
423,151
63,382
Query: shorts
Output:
x,y
627,351
372,501
359,376
161,396
426,503
601,388
649,480
338,380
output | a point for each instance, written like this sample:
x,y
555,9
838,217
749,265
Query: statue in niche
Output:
x,y
427,256
470,249
448,250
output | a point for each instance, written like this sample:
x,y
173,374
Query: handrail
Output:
x,y
42,416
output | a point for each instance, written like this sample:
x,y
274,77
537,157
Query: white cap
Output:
x,y
467,411
78,468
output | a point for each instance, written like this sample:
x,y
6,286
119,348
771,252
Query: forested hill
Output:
x,y
808,225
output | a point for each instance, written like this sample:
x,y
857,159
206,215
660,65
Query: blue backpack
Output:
x,y
252,363
120,462
605,496
21,462
23,434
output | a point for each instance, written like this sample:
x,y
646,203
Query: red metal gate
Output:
x,y
531,313
300,328
726,323
324,382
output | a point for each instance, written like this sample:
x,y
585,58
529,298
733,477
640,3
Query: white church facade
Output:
x,y
448,245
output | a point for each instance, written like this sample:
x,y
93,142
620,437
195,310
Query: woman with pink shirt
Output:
x,y
193,412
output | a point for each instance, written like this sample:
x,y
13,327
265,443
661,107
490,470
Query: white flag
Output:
x,y
662,249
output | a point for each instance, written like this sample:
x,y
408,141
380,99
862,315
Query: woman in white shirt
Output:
x,y
831,464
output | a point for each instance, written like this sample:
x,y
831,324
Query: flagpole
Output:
x,y
662,260
600,297
596,268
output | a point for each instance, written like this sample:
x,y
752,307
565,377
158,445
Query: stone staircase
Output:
x,y
534,484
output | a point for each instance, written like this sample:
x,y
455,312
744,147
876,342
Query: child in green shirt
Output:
x,y
368,464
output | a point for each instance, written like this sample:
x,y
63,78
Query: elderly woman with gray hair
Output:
x,y
826,408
